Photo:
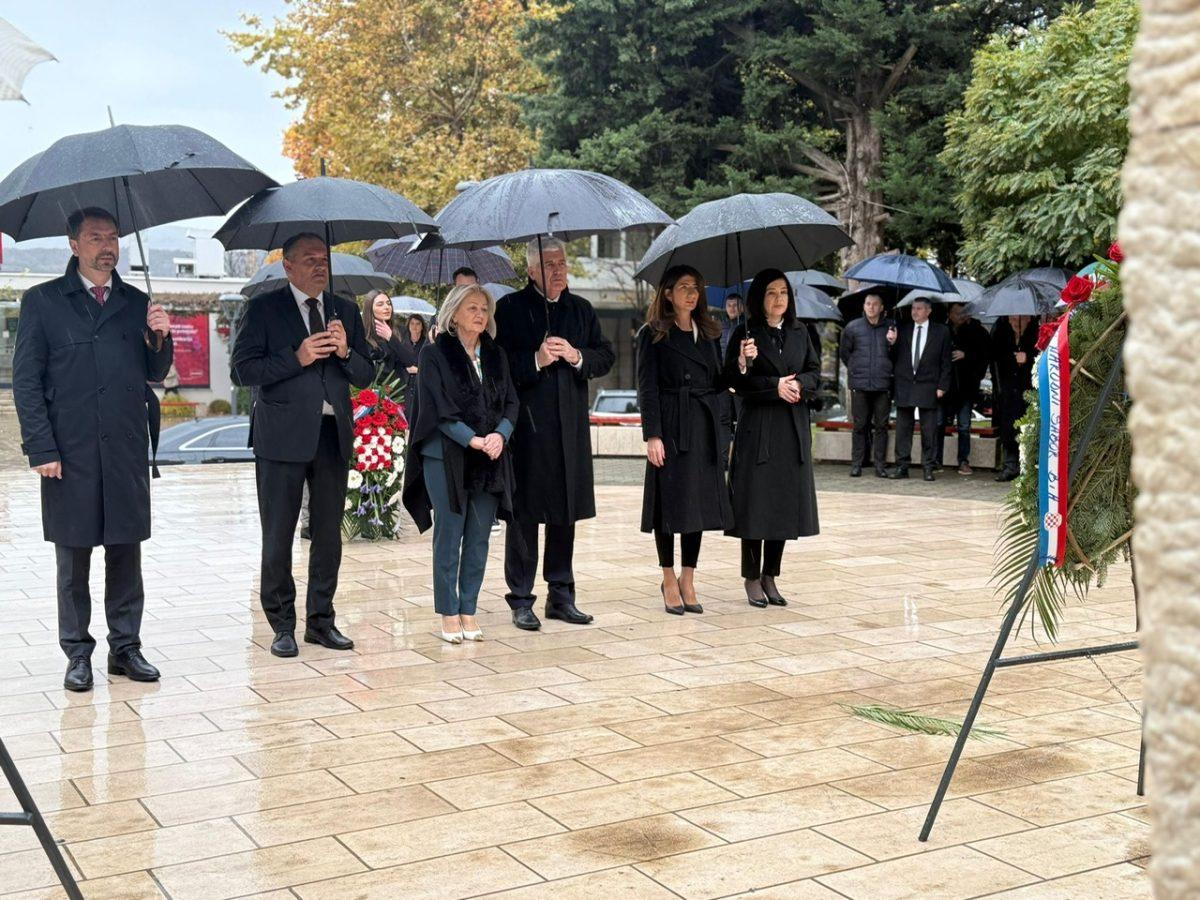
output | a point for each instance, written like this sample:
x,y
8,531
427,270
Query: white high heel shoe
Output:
x,y
476,635
456,638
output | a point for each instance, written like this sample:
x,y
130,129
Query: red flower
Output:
x,y
1046,333
1115,253
1077,291
401,421
390,407
361,466
379,419
367,397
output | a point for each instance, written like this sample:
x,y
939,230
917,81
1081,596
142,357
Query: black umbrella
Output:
x,y
144,175
428,260
1019,295
352,275
727,239
813,305
902,271
338,209
822,281
850,304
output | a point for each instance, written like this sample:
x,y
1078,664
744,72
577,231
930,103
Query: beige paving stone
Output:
x,y
632,800
1052,802
446,735
605,846
528,751
449,878
1119,882
689,726
229,799
522,783
421,767
161,847
749,865
955,872
665,759
622,882
1073,846
765,776
754,817
581,715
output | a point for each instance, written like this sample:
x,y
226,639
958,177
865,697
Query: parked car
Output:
x,y
612,407
211,440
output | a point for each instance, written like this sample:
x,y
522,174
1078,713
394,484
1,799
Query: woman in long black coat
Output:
x,y
774,368
684,423
1014,346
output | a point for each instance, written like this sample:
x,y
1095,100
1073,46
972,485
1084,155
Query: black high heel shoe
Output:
x,y
690,607
756,602
772,592
673,610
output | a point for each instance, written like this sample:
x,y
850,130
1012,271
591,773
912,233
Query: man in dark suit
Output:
x,y
87,344
302,348
554,345
922,370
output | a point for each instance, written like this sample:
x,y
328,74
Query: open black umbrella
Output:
x,y
902,271
822,281
144,175
428,260
1019,295
727,240
352,275
337,209
850,304
813,305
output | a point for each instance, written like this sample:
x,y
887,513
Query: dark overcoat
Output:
x,y
80,374
774,495
552,447
682,394
450,391
919,389
976,345
285,423
1014,379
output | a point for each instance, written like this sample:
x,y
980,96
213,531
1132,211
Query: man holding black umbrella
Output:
x,y
554,346
302,348
86,346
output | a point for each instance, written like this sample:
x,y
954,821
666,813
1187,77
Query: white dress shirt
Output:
x,y
302,303
91,286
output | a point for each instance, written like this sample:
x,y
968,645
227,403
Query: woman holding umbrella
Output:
x,y
773,366
680,394
1014,346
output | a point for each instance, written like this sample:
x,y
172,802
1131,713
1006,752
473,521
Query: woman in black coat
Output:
x,y
774,368
1014,346
383,337
684,423
458,466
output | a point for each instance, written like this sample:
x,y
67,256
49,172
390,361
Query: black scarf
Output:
x,y
481,409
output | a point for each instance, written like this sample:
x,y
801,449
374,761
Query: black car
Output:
x,y
211,440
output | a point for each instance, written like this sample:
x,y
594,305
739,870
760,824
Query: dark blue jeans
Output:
x,y
962,419
460,543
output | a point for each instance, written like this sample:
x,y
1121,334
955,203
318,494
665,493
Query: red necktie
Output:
x,y
99,291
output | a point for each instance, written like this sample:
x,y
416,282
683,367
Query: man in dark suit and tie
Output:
x,y
922,370
87,344
302,348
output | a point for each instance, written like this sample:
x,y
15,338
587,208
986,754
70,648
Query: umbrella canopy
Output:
x,y
429,261
564,203
352,275
967,291
902,271
981,305
726,240
822,281
338,209
498,290
813,305
144,175
1019,295
412,306
850,304
18,54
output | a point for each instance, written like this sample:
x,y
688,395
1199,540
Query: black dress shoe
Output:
x,y
901,472
880,472
328,637
671,610
132,665
567,612
1006,475
526,619
284,645
772,593
856,471
79,675
929,475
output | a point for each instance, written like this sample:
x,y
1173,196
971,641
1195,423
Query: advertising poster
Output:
x,y
190,333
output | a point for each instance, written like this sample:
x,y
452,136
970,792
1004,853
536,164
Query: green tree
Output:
x,y
414,95
1037,149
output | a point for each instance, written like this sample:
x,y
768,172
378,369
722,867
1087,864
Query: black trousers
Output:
x,y
869,410
905,419
689,548
761,558
1010,407
124,597
280,487
521,563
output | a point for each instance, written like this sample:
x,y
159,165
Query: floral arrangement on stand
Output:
x,y
1100,498
377,466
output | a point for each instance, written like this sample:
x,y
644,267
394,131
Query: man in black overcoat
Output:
x,y
922,369
87,344
302,348
554,346
970,356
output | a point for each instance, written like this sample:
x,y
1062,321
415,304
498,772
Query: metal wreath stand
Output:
x,y
32,817
997,661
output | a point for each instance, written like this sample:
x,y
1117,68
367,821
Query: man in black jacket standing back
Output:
x,y
922,365
302,348
867,355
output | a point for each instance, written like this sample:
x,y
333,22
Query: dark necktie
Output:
x,y
101,293
315,322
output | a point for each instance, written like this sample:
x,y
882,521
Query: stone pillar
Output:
x,y
1160,234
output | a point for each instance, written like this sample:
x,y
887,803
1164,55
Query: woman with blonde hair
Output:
x,y
681,393
462,414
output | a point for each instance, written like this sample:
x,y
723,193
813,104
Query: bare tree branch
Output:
x,y
896,74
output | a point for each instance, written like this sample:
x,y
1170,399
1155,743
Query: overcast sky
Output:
x,y
156,62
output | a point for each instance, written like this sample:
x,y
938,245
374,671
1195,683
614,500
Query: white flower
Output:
x,y
357,442
354,480
391,479
398,444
